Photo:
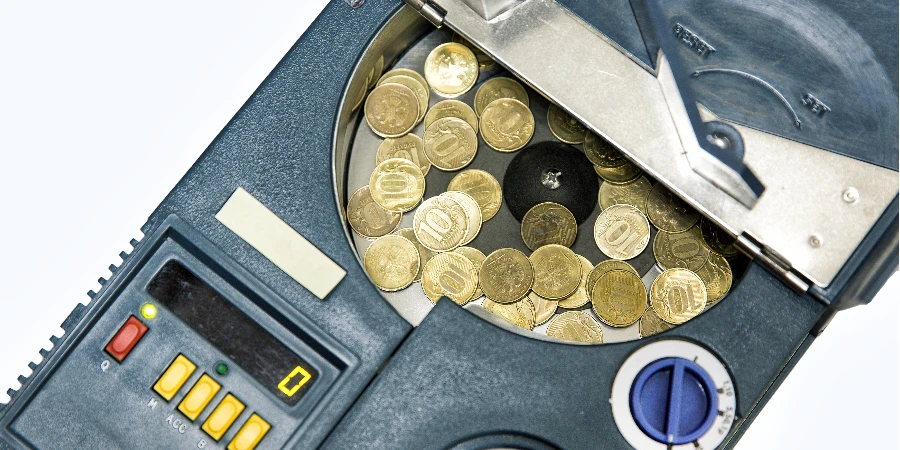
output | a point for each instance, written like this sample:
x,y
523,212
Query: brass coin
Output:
x,y
375,73
410,147
425,254
548,223
392,262
543,308
403,71
506,125
440,223
506,275
451,69
716,275
368,218
496,88
677,295
473,214
576,326
392,110
450,143
580,297
483,187
564,126
717,239
602,268
633,193
557,271
652,324
397,184
619,298
625,173
477,258
484,61
602,153
519,313
621,232
451,275
685,249
451,108
421,90
668,212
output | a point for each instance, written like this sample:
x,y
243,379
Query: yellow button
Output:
x,y
199,396
223,416
174,377
250,434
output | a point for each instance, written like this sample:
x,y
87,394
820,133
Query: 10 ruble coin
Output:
x,y
392,262
677,295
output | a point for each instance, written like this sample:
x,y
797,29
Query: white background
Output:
x,y
103,107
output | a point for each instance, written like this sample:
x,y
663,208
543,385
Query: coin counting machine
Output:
x,y
243,319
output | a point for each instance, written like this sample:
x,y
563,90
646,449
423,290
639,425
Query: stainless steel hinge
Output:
x,y
775,263
435,14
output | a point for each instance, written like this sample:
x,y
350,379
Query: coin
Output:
x,y
576,326
451,275
473,214
548,223
543,308
621,232
496,88
451,69
392,110
519,313
477,259
506,275
580,297
717,277
633,193
652,324
375,72
420,89
403,71
440,223
685,249
564,126
425,254
397,184
368,218
717,239
451,108
619,298
557,271
602,153
392,262
602,268
450,143
506,125
668,212
484,61
408,147
618,175
677,295
483,187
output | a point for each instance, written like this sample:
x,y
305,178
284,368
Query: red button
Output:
x,y
125,340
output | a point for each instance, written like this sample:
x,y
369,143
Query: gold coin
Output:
x,y
450,275
477,259
375,73
451,108
717,277
484,61
602,153
625,173
519,313
548,223
483,187
473,214
668,212
392,262
652,324
440,223
506,275
496,88
397,184
621,232
392,110
403,71
409,147
685,249
576,326
580,297
543,308
421,90
619,298
451,69
425,254
564,126
557,271
717,239
450,143
506,125
601,269
634,193
368,218
677,295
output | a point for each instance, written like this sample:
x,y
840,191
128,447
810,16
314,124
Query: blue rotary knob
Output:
x,y
674,401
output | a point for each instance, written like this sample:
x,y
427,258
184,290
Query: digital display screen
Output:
x,y
232,332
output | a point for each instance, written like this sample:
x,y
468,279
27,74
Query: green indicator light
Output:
x,y
148,310
221,369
